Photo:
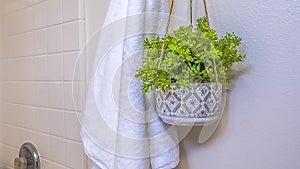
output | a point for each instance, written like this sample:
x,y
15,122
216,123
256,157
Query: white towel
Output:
x,y
120,129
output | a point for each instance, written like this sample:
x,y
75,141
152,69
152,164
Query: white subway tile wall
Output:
x,y
40,44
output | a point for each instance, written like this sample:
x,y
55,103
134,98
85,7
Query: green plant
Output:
x,y
190,55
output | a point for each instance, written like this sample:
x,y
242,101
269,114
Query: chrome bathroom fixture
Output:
x,y
29,157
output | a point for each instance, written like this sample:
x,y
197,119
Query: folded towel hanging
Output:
x,y
120,128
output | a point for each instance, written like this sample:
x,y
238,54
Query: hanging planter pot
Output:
x,y
199,104
188,70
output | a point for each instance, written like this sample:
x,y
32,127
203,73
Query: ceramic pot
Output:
x,y
200,104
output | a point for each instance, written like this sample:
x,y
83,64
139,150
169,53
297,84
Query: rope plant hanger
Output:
x,y
184,70
191,22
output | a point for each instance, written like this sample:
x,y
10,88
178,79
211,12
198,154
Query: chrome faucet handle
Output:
x,y
29,158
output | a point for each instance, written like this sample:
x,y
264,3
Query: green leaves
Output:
x,y
154,77
203,27
227,47
188,57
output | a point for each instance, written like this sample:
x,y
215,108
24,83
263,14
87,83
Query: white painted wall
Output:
x,y
260,129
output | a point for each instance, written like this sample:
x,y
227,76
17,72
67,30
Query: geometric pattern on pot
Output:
x,y
200,100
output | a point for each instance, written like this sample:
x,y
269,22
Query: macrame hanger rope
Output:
x,y
167,29
206,11
170,13
191,12
191,21
214,60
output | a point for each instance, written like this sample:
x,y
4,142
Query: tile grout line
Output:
x,y
40,55
23,8
45,27
41,107
41,133
43,81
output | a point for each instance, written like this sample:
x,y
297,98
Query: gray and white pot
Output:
x,y
198,105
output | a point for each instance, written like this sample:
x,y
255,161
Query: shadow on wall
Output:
x,y
191,140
